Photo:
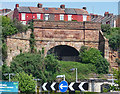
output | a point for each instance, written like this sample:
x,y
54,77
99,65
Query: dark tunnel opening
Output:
x,y
65,53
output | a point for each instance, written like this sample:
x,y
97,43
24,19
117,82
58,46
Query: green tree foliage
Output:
x,y
31,25
114,42
4,52
5,69
51,66
93,56
20,27
106,28
26,82
10,27
35,64
32,42
32,37
113,34
7,27
117,76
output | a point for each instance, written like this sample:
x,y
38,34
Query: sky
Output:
x,y
92,7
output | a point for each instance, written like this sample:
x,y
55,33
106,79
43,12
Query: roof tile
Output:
x,y
23,9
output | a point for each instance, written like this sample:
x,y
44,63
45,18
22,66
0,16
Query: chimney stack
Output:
x,y
17,5
106,14
39,5
84,8
62,6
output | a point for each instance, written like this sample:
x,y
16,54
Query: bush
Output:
x,y
35,64
114,42
93,56
26,82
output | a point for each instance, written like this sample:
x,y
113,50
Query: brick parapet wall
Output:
x,y
67,25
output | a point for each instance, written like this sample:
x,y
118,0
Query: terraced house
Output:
x,y
25,14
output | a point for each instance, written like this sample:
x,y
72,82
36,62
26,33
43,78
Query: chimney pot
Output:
x,y
84,8
39,5
17,5
62,6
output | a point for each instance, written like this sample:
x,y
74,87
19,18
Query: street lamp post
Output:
x,y
76,72
61,76
9,75
36,84
112,78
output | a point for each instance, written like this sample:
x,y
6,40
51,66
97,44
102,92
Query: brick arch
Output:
x,y
64,52
51,45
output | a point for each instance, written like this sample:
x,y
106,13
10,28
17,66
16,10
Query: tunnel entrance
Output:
x,y
65,53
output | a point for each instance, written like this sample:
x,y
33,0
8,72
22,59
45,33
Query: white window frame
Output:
x,y
69,17
84,17
46,17
61,17
38,16
23,16
23,22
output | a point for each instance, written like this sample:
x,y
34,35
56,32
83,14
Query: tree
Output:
x,y
4,52
32,42
35,64
20,27
93,56
114,42
51,65
26,82
117,76
5,69
32,37
10,27
106,28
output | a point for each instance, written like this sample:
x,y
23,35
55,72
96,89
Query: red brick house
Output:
x,y
24,14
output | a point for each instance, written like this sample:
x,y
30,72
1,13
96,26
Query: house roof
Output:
x,y
36,10
80,11
53,10
98,19
24,9
70,11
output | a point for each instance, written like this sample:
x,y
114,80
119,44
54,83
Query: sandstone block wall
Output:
x,y
49,34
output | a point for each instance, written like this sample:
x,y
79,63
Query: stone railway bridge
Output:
x,y
62,38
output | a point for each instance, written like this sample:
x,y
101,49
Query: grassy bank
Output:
x,y
84,70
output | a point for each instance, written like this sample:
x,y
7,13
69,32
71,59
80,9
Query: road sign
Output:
x,y
83,86
63,86
50,86
71,86
11,87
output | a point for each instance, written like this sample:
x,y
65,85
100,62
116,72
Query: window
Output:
x,y
46,8
23,22
61,17
69,17
46,17
38,16
84,18
33,16
23,16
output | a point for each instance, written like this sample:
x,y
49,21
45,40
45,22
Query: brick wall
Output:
x,y
49,34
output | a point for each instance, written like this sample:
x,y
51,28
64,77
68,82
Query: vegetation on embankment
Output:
x,y
83,70
113,34
47,68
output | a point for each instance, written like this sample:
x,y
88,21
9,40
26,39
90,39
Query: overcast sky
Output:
x,y
93,6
